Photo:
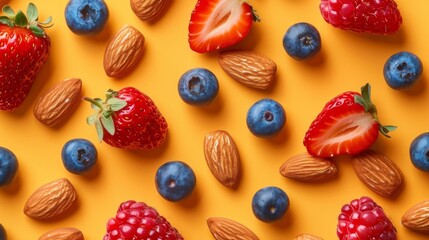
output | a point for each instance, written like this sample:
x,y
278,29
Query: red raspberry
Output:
x,y
363,219
372,16
138,221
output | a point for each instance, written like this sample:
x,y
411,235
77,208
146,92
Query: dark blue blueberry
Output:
x,y
402,70
270,204
85,17
3,235
175,180
419,152
198,86
8,166
302,40
266,118
79,155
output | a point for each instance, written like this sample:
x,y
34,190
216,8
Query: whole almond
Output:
x,y
305,236
53,200
63,234
227,229
148,10
222,157
417,217
248,67
378,173
123,52
57,104
308,168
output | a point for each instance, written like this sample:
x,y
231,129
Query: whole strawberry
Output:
x,y
138,221
348,124
372,16
128,119
363,219
24,49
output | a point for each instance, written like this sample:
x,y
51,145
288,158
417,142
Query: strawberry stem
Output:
x,y
365,101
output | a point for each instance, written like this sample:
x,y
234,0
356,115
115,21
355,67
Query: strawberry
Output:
x,y
372,16
128,119
348,124
218,24
24,49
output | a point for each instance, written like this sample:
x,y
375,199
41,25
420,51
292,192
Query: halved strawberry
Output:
x,y
348,124
217,24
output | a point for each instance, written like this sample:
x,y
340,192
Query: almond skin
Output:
x,y
378,173
307,168
227,229
249,68
222,157
58,103
306,237
53,200
123,52
148,10
63,234
417,217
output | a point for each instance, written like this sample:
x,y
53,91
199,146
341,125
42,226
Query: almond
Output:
x,y
417,217
227,229
305,236
378,172
123,52
63,234
53,200
58,103
308,168
148,10
222,157
249,68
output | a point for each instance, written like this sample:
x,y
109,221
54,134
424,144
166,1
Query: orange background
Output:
x,y
347,61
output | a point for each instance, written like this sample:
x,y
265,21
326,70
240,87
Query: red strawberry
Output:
x,y
24,49
128,119
138,221
217,24
364,219
348,124
372,16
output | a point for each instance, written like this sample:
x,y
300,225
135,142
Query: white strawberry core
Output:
x,y
225,14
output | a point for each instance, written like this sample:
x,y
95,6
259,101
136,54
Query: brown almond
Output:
x,y
63,234
222,157
416,218
305,236
58,103
308,168
148,10
227,229
123,52
53,200
378,173
248,67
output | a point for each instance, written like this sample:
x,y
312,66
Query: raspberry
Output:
x,y
364,219
372,16
138,221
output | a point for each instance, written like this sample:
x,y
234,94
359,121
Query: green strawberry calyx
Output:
x,y
365,101
29,20
104,110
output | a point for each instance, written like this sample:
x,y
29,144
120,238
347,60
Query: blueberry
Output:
x,y
175,180
198,86
419,152
84,17
266,118
79,155
3,235
8,166
270,204
402,70
301,41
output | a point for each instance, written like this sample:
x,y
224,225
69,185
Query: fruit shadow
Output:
x,y
14,186
417,89
192,200
398,38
